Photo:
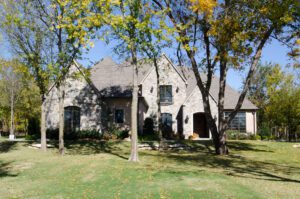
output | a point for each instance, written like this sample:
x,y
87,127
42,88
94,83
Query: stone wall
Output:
x,y
194,104
168,76
77,93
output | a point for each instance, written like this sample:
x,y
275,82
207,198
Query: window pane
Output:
x,y
238,122
119,116
166,93
72,119
166,119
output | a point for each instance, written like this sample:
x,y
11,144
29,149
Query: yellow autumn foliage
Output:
x,y
203,6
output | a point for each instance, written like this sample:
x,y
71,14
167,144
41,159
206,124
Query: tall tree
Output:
x,y
30,41
19,93
282,107
152,40
233,34
11,85
54,37
258,90
124,23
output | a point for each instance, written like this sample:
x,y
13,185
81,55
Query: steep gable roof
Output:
x,y
231,96
116,80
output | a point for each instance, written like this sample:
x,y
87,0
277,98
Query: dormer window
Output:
x,y
166,94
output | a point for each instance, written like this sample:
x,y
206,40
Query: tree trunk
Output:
x,y
61,118
134,113
43,126
12,125
160,136
220,145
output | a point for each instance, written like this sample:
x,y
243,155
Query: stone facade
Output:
x,y
80,94
100,113
168,76
193,105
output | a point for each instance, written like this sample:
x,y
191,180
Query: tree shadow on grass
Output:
x,y
86,147
244,146
6,146
234,165
5,169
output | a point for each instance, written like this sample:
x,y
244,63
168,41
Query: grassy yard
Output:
x,y
254,169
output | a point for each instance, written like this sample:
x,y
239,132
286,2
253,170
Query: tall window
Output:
x,y
166,119
119,116
166,94
238,122
72,119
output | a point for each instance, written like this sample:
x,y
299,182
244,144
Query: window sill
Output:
x,y
166,103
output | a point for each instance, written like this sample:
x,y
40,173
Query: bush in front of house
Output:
x,y
237,135
82,134
88,134
264,132
114,133
149,136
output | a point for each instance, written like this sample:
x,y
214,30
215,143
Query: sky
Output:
x,y
274,52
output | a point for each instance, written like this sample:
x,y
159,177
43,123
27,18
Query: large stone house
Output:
x,y
103,99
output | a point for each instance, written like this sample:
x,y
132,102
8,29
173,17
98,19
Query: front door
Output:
x,y
200,126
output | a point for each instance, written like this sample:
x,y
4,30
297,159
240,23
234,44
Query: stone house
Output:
x,y
103,99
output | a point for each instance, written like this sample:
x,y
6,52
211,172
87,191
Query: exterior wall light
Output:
x,y
186,120
151,89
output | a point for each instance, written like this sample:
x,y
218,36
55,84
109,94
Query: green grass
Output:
x,y
254,169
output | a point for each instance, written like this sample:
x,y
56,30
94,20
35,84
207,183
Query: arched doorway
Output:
x,y
200,125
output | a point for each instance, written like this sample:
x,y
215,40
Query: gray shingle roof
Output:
x,y
231,95
116,80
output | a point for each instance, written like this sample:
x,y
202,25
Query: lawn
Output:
x,y
90,169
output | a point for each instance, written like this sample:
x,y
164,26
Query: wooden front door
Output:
x,y
200,126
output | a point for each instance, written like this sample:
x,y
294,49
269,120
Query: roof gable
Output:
x,y
231,95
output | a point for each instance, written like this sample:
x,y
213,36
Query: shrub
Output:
x,y
149,137
52,134
82,134
232,134
92,134
237,135
264,131
254,137
148,127
31,137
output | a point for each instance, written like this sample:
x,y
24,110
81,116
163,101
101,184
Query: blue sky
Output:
x,y
274,52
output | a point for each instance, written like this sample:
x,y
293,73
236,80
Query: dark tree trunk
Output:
x,y
159,122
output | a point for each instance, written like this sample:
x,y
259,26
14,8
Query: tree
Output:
x,y
233,34
52,42
30,41
124,22
10,87
152,40
282,106
258,90
18,93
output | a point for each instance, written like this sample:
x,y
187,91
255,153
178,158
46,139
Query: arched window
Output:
x,y
72,119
